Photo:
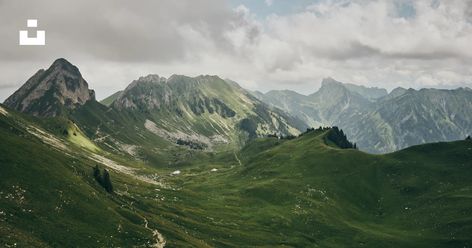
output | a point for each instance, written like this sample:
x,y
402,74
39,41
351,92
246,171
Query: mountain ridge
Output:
x,y
204,111
369,122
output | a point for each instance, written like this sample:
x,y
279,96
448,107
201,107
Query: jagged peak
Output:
x,y
61,61
329,84
146,80
152,78
65,65
48,92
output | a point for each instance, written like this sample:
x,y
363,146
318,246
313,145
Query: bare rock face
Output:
x,y
146,93
52,92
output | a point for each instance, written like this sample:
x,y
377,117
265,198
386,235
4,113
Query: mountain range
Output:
x,y
201,162
379,122
199,112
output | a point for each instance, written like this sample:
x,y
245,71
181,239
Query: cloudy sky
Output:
x,y
262,44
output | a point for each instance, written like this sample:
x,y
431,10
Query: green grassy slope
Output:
x,y
273,193
304,193
109,100
48,196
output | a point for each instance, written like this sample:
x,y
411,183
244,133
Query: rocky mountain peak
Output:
x,y
329,81
146,93
51,92
145,82
64,65
152,78
330,87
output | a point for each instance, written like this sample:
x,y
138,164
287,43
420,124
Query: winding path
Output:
x,y
160,240
239,161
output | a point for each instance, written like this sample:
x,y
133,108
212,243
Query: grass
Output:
x,y
272,193
304,193
50,199
77,137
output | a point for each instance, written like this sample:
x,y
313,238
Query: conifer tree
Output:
x,y
106,181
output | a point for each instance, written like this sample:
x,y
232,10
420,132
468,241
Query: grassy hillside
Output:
x,y
109,100
301,192
49,197
305,193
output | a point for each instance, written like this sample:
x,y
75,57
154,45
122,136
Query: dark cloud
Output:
x,y
358,50
354,50
112,29
468,11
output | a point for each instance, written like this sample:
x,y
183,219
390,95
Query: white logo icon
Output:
x,y
39,40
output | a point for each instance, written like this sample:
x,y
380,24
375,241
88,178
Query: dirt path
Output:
x,y
123,169
160,240
239,161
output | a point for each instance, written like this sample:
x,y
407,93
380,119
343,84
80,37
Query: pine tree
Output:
x,y
106,181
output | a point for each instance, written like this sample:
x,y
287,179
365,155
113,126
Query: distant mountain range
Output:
x,y
380,122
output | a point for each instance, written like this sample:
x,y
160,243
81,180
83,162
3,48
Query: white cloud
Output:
x,y
363,42
366,43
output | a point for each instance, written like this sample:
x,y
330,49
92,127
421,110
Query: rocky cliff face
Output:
x,y
417,117
145,94
52,92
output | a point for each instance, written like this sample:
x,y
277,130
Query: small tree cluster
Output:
x,y
104,180
338,137
468,138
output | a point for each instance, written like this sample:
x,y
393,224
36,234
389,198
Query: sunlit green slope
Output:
x,y
304,193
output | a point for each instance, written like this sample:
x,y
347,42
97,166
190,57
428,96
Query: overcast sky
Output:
x,y
262,44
